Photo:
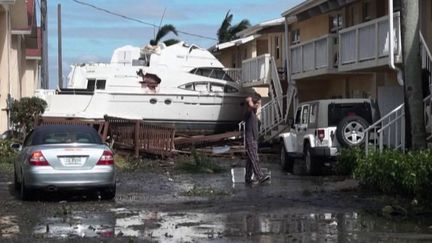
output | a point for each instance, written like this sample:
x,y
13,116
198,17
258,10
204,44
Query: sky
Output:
x,y
90,35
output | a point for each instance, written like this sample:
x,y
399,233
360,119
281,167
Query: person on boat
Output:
x,y
150,82
253,103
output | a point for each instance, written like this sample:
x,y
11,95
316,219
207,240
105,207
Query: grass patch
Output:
x,y
205,192
393,172
6,168
199,163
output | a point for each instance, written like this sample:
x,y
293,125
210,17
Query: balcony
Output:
x,y
366,45
256,71
314,57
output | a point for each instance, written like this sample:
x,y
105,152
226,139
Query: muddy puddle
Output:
x,y
229,227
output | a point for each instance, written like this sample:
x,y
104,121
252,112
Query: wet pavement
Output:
x,y
173,206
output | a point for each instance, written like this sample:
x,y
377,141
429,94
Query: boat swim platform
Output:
x,y
144,137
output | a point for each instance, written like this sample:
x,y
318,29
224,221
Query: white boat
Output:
x,y
195,93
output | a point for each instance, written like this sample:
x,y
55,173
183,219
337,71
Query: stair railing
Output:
x,y
389,131
426,58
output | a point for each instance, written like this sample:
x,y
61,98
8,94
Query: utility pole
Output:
x,y
44,28
410,22
59,55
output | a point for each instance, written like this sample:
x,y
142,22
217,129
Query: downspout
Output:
x,y
8,47
391,45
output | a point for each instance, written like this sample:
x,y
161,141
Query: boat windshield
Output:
x,y
216,73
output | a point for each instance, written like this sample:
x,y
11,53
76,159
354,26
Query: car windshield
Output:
x,y
65,134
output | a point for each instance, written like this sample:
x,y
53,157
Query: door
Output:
x,y
301,126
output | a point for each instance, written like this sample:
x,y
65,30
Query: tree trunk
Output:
x,y
415,128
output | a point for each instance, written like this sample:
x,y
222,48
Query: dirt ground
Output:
x,y
162,204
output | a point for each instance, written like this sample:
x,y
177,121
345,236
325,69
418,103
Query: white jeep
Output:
x,y
322,127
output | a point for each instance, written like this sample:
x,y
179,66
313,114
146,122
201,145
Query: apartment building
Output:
x,y
341,49
20,54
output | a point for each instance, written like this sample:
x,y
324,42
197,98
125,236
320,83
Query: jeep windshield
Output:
x,y
336,112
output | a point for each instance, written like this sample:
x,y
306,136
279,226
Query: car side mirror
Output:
x,y
16,146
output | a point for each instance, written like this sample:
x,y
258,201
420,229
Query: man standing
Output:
x,y
253,102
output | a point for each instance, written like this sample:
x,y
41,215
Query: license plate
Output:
x,y
72,161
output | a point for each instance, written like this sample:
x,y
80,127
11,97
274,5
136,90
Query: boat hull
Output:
x,y
203,114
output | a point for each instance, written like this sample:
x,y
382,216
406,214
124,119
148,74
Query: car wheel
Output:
x,y
350,131
287,163
109,193
311,164
24,191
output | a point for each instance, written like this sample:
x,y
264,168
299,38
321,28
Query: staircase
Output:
x,y
261,71
389,131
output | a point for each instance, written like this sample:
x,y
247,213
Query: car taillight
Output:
x,y
107,158
321,134
37,159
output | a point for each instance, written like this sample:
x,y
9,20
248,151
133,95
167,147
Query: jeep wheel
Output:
x,y
286,162
350,131
311,164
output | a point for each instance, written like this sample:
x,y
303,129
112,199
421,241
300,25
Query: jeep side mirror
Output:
x,y
16,146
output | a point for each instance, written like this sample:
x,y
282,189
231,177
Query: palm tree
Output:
x,y
227,32
162,32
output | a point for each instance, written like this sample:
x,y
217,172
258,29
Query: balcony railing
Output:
x,y
313,55
369,41
10,2
256,71
234,73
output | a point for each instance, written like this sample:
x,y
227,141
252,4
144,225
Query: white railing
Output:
x,y
313,55
234,73
368,41
269,116
389,131
426,58
256,69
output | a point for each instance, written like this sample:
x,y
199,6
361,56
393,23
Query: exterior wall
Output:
x,y
19,15
18,77
276,44
346,86
312,28
30,78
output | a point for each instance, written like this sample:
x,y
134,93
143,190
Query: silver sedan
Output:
x,y
55,157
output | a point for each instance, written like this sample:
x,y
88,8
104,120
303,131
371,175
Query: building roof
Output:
x,y
232,43
302,7
254,29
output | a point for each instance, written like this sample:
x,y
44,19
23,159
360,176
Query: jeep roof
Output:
x,y
323,108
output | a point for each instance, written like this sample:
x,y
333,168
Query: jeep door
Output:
x,y
301,126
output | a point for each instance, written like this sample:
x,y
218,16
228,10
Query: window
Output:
x,y
230,89
100,84
188,86
305,114
297,117
336,22
277,47
295,36
214,87
367,11
313,113
201,87
91,84
197,86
